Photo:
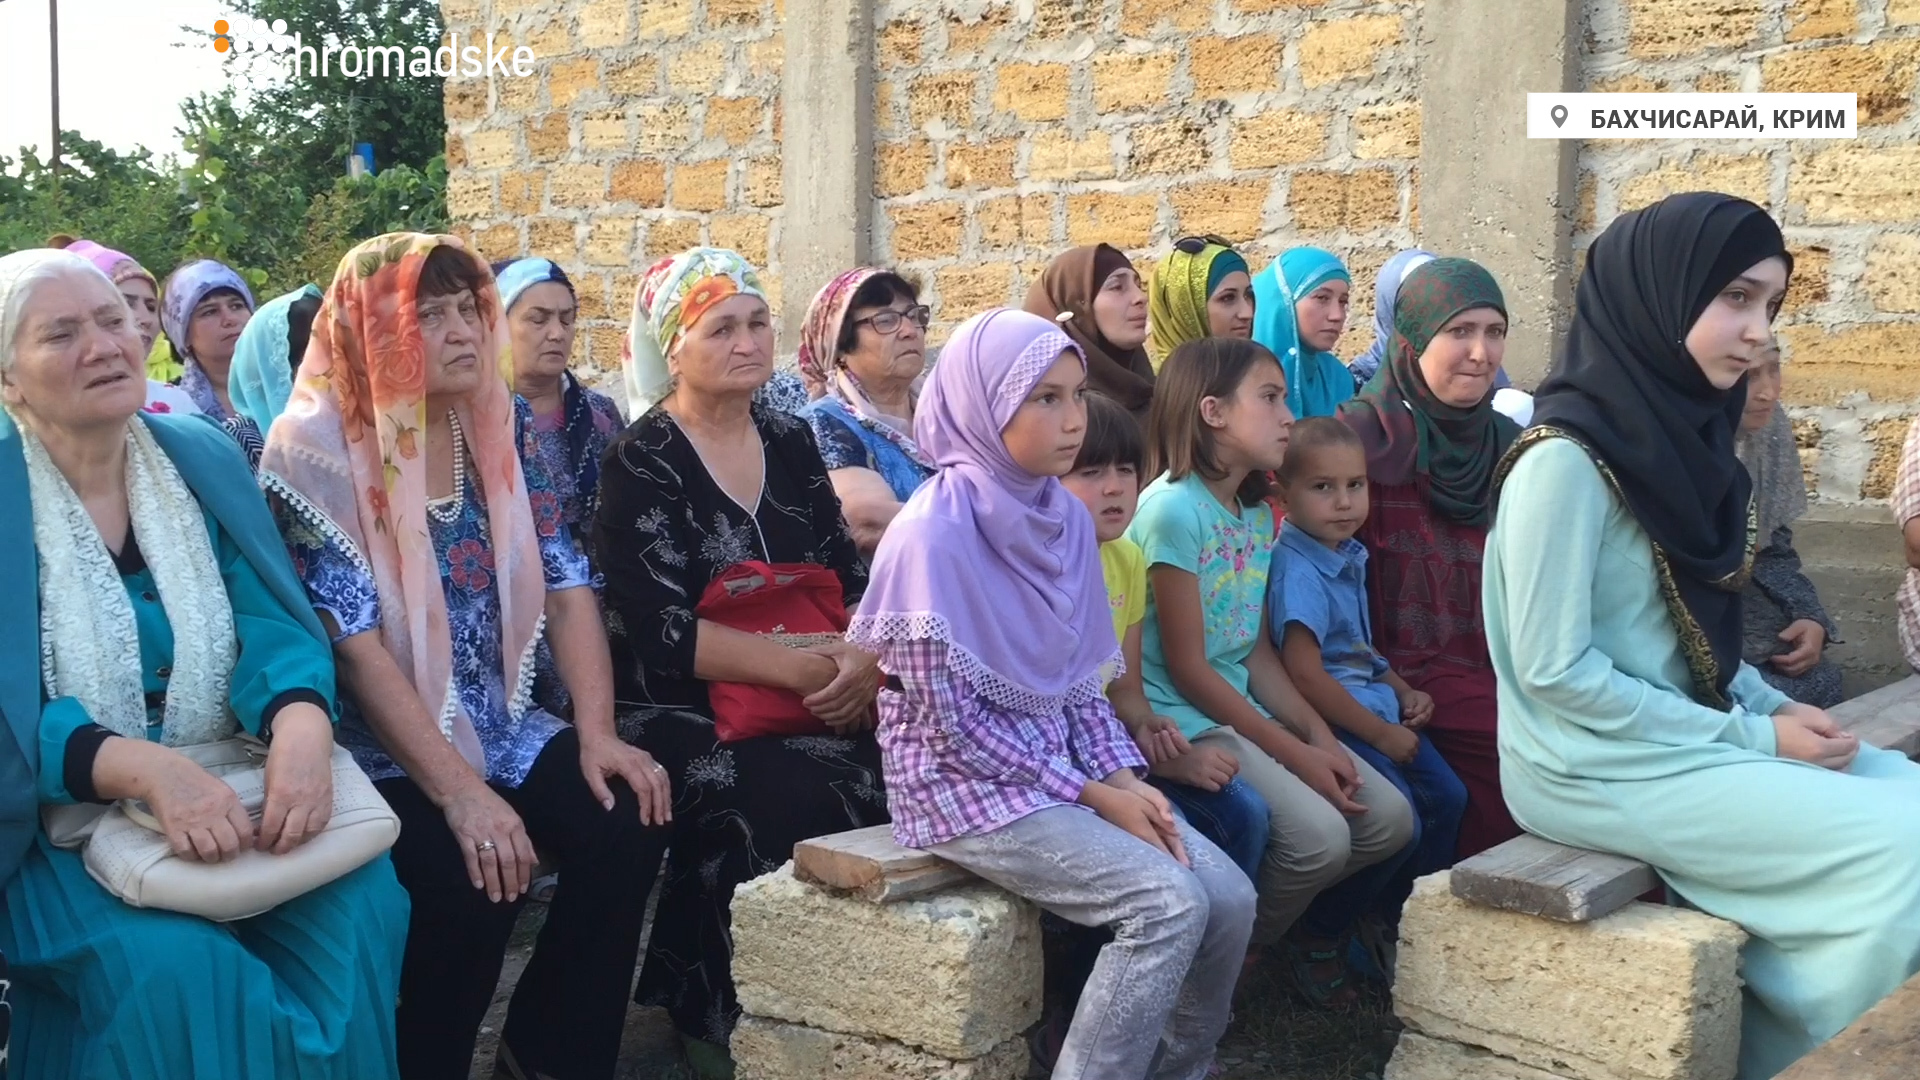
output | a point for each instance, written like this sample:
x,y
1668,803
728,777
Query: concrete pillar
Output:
x,y
827,151
1488,192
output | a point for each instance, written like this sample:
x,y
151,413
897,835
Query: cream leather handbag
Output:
x,y
128,854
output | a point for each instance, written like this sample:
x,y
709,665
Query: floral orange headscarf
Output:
x,y
347,457
672,296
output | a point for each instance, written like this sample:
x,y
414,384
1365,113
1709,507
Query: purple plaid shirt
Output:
x,y
959,765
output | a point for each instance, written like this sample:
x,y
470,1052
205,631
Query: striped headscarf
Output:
x,y
672,296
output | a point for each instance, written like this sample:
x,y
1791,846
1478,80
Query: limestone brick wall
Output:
x,y
1851,209
1004,131
649,126
1008,131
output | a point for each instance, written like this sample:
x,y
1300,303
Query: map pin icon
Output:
x,y
1559,114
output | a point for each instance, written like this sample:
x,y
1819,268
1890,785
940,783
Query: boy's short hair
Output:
x,y
1113,437
1315,433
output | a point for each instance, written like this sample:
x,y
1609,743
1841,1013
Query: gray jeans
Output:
x,y
1179,935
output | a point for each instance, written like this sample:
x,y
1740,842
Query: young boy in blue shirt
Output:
x,y
1318,609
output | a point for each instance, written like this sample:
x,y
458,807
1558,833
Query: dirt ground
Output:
x,y
1275,1036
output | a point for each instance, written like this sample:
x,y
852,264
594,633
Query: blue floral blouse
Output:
x,y
343,590
848,442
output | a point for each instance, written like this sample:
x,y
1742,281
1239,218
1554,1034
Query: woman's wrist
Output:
x,y
134,768
804,672
301,722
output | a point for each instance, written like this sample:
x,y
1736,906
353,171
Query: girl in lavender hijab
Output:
x,y
988,611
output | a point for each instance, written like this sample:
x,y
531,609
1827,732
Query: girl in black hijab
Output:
x,y
1664,423
1623,536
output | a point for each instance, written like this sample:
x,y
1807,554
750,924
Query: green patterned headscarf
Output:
x,y
1409,432
1178,294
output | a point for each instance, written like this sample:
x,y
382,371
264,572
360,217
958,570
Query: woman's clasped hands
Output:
x,y
1808,734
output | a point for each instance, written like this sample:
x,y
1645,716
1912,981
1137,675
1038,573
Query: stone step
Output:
x,y
1646,993
955,973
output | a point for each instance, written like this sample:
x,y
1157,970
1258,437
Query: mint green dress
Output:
x,y
106,991
1602,746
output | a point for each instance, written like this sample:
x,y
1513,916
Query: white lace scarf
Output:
x,y
89,644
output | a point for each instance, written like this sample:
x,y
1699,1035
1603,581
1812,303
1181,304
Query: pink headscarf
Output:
x,y
826,376
117,265
820,334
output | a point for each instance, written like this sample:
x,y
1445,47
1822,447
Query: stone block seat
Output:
x,y
1535,961
863,960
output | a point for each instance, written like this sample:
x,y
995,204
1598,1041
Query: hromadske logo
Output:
x,y
236,36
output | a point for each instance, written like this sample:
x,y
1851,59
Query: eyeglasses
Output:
x,y
888,321
1194,245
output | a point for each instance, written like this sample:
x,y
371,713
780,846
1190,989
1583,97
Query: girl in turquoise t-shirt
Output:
x,y
1219,424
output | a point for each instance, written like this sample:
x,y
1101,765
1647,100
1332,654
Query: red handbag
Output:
x,y
795,604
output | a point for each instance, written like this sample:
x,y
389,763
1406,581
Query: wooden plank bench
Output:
x,y
1888,718
1569,884
1527,874
1882,1045
867,863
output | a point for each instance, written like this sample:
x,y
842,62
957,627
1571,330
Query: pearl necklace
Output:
x,y
447,511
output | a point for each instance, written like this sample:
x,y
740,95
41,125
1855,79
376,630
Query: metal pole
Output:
x,y
53,46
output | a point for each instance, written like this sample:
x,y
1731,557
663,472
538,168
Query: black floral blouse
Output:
x,y
666,529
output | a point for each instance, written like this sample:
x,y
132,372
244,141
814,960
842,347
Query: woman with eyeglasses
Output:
x,y
1201,289
865,343
1095,295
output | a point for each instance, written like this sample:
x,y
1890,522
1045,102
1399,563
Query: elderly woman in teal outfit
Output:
x,y
1628,722
1300,311
139,526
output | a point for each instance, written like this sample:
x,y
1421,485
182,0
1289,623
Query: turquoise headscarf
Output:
x,y
261,379
1317,382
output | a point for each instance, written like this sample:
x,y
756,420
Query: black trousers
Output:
x,y
570,1007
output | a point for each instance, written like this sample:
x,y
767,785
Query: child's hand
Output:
x,y
1208,768
1416,708
1140,810
1160,741
1397,743
1323,771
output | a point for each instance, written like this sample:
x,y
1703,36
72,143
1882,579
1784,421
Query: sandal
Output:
x,y
1310,962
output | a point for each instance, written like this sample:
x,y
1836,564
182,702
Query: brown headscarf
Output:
x,y
1067,288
